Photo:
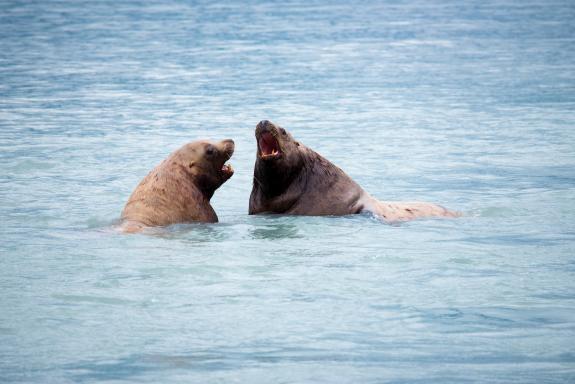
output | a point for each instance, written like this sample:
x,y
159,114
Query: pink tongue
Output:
x,y
267,143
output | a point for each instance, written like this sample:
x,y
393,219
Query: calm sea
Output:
x,y
469,104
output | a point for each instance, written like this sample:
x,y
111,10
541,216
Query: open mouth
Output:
x,y
227,171
269,146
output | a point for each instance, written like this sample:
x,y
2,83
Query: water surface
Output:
x,y
470,105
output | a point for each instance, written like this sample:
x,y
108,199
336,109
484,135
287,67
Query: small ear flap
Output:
x,y
191,164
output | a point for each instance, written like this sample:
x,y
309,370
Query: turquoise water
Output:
x,y
466,104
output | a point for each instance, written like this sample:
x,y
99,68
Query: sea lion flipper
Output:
x,y
402,211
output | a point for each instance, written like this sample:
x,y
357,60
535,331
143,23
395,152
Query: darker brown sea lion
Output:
x,y
180,188
290,178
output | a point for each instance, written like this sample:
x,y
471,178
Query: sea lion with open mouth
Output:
x,y
179,189
292,179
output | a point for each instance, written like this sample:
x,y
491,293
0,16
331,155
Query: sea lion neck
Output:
x,y
273,178
201,186
205,184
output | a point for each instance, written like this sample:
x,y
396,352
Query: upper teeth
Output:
x,y
274,152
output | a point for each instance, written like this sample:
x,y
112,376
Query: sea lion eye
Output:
x,y
210,150
283,131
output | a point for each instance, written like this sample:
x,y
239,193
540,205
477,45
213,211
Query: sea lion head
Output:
x,y
277,146
279,157
205,162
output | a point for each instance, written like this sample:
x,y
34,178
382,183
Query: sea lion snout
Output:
x,y
228,146
226,149
266,126
263,124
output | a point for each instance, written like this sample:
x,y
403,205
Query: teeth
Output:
x,y
274,152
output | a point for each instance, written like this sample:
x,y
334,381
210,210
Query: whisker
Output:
x,y
258,181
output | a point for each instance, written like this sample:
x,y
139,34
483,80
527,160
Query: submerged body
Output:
x,y
290,178
179,189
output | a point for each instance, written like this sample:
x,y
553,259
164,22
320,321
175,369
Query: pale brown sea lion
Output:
x,y
180,188
290,178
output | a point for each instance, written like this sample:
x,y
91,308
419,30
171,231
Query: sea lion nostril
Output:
x,y
228,147
228,144
263,124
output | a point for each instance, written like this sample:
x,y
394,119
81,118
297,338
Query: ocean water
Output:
x,y
467,104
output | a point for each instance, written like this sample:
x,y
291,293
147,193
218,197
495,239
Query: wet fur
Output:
x,y
303,182
177,190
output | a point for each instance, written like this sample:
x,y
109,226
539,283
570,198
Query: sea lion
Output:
x,y
179,189
290,178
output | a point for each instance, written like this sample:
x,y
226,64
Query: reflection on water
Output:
x,y
192,233
276,232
